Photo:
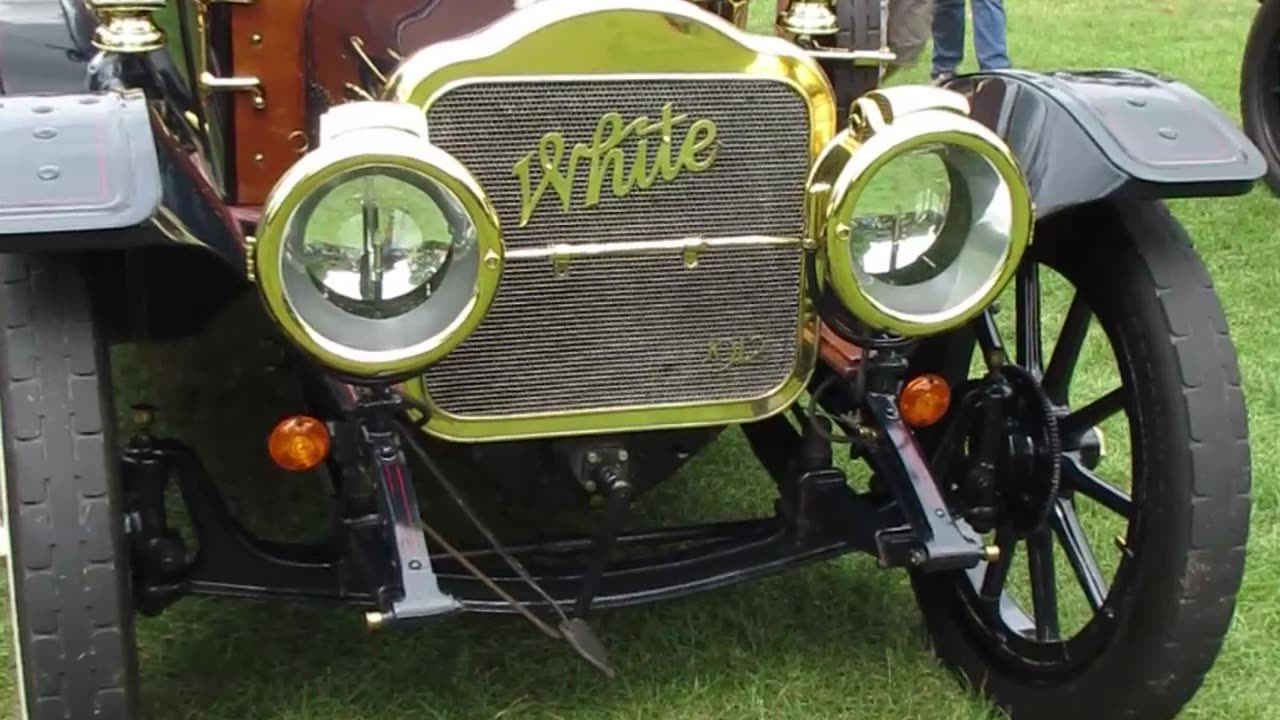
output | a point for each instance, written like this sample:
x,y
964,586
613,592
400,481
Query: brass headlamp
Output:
x,y
920,213
809,18
377,253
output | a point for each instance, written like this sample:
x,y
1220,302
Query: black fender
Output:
x,y
1085,136
103,170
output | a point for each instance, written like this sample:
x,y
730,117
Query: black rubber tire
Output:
x,y
68,564
859,30
1192,458
1259,78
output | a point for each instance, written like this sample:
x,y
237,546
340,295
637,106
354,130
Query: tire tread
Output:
x,y
1217,449
68,571
1180,628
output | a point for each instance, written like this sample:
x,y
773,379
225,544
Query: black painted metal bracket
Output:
x,y
933,539
230,561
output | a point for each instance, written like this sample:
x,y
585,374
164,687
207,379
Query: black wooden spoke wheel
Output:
x,y
1260,87
1113,602
68,562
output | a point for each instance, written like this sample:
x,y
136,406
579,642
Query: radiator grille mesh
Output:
x,y
631,331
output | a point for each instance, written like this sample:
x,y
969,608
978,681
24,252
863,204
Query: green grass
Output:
x,y
840,640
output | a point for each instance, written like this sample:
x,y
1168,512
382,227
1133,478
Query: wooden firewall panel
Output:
x,y
266,43
385,30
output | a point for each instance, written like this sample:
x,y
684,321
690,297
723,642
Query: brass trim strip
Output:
x,y
682,246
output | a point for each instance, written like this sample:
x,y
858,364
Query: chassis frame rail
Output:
x,y
376,554
657,563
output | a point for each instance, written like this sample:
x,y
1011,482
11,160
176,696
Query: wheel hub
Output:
x,y
1010,471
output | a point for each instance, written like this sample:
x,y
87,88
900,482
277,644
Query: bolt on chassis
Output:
x,y
568,243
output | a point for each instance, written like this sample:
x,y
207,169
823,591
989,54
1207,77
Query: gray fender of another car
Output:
x,y
97,170
79,162
1086,136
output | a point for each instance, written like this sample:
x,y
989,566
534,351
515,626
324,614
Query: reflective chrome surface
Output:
x,y
127,26
809,18
898,222
376,245
931,229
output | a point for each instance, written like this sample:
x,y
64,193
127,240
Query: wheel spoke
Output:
x,y
1062,364
1066,525
1044,587
1081,479
1092,414
988,337
997,573
1028,320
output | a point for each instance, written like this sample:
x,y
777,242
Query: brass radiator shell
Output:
x,y
671,301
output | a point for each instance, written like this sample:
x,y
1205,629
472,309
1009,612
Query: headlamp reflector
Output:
x,y
378,242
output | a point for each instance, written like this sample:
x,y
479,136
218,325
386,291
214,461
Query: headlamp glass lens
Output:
x,y
899,218
930,231
376,244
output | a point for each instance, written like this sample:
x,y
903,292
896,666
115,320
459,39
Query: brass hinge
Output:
x,y
249,84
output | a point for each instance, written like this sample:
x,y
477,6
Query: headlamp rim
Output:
x,y
360,149
867,157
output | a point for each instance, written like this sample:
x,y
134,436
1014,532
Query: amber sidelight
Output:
x,y
924,400
298,443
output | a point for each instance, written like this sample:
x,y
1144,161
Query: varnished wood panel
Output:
x,y
297,47
267,43
388,28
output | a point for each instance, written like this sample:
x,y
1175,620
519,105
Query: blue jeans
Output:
x,y
988,35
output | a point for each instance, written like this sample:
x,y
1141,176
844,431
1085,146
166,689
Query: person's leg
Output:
x,y
948,36
910,24
989,42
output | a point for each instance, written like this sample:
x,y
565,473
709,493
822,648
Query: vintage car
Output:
x,y
1260,87
567,244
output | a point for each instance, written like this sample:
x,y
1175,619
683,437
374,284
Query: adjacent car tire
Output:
x,y
1260,88
68,564
859,22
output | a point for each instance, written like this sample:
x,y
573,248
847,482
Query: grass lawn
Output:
x,y
840,640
